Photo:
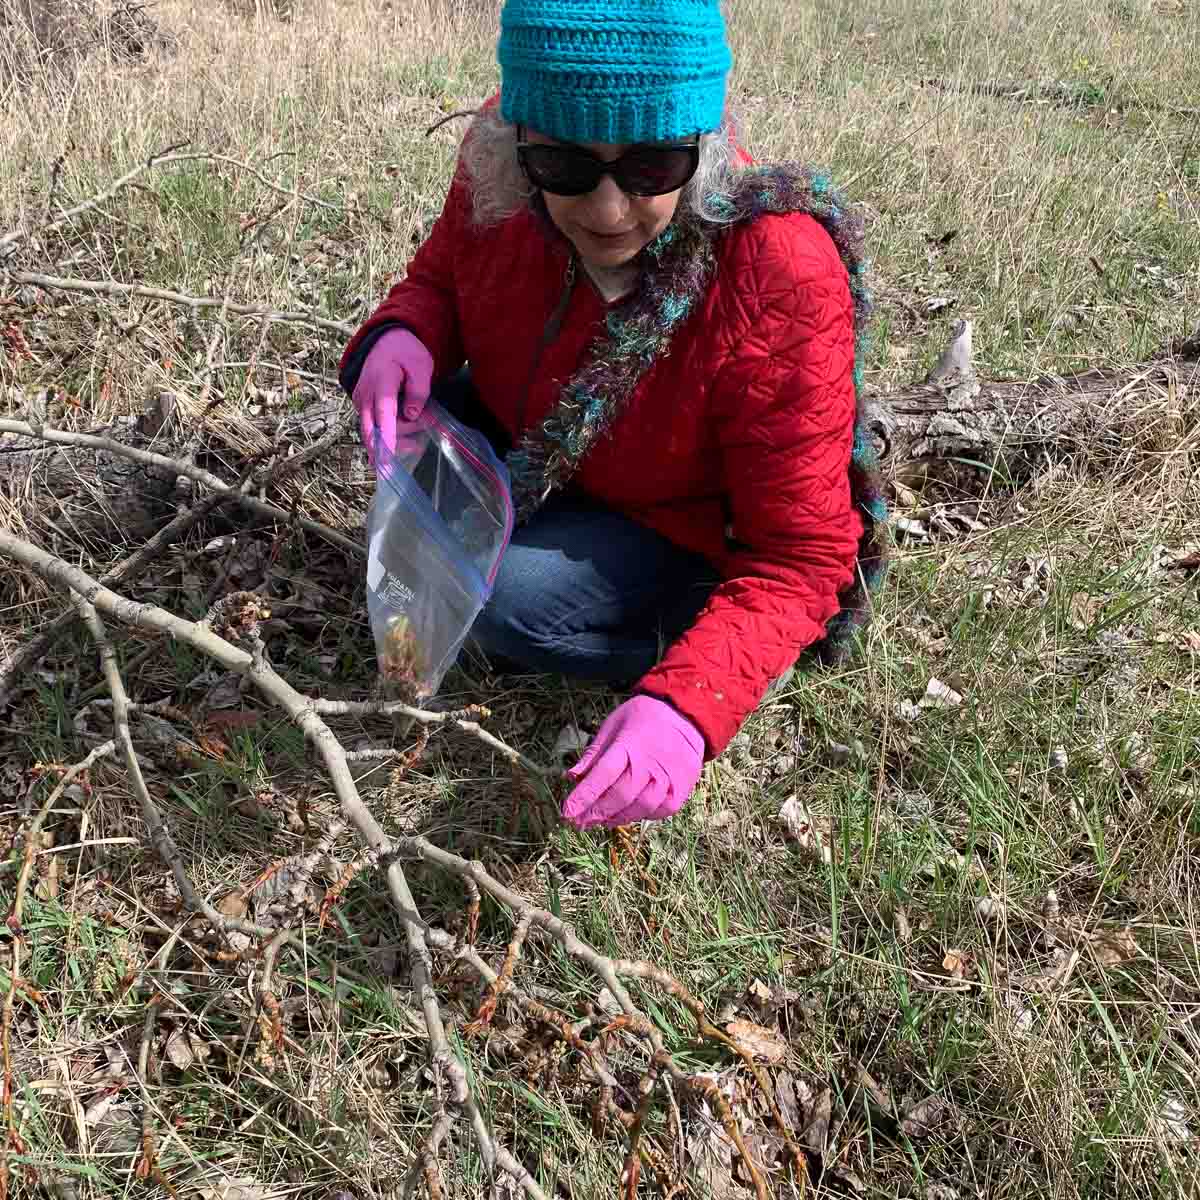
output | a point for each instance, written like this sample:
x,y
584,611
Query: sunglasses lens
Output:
x,y
645,172
560,170
653,172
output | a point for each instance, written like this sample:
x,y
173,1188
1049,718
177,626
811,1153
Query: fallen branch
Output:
x,y
160,462
89,596
230,636
162,158
105,287
10,241
957,427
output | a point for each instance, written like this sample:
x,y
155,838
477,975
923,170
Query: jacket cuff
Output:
x,y
717,724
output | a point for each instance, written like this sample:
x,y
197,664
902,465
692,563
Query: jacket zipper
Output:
x,y
550,331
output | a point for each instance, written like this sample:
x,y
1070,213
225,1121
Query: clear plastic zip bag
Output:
x,y
439,523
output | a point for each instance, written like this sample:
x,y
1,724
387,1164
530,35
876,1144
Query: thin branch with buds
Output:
x,y
108,287
230,636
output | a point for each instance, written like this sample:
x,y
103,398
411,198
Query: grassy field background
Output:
x,y
1005,919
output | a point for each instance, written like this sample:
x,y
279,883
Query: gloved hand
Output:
x,y
641,766
397,365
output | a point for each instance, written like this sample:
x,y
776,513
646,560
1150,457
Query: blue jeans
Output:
x,y
582,590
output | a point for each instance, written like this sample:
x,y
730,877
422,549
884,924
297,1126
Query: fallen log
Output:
x,y
957,428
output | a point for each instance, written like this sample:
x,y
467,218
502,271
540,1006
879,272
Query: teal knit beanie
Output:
x,y
618,71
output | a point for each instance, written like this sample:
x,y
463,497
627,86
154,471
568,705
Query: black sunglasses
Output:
x,y
640,171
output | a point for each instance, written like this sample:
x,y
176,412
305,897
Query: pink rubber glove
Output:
x,y
398,364
641,766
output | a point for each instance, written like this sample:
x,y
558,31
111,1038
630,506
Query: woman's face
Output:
x,y
607,226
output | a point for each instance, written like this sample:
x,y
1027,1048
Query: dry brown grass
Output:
x,y
1063,1094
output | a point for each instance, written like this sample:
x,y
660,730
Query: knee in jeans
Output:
x,y
502,628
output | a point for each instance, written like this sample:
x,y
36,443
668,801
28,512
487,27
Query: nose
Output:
x,y
607,205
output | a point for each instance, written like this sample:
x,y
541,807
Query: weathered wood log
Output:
x,y
957,428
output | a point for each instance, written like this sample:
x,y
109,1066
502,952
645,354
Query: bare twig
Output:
x,y
107,287
147,458
378,754
454,116
463,719
270,1022
315,201
162,158
425,1167
473,906
277,471
156,827
646,1086
501,982
29,852
28,655
701,1085
10,241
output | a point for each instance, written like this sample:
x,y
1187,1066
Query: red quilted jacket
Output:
x,y
748,421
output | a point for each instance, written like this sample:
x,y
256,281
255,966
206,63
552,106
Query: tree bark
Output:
x,y
964,429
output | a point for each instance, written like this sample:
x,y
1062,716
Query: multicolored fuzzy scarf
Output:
x,y
679,267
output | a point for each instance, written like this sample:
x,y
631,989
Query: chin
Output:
x,y
609,256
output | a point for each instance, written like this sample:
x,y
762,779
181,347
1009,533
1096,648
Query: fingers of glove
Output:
x,y
668,804
385,418
606,735
366,426
628,792
652,804
418,379
606,771
589,756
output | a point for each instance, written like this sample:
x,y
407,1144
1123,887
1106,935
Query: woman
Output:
x,y
666,343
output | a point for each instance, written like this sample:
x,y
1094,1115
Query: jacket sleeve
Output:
x,y
784,406
425,301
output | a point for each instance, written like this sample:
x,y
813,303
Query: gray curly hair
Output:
x,y
499,189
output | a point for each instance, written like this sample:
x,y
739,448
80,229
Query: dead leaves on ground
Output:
x,y
932,1115
1024,967
811,834
761,1043
823,1117
960,964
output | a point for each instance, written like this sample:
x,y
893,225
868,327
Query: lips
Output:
x,y
608,237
